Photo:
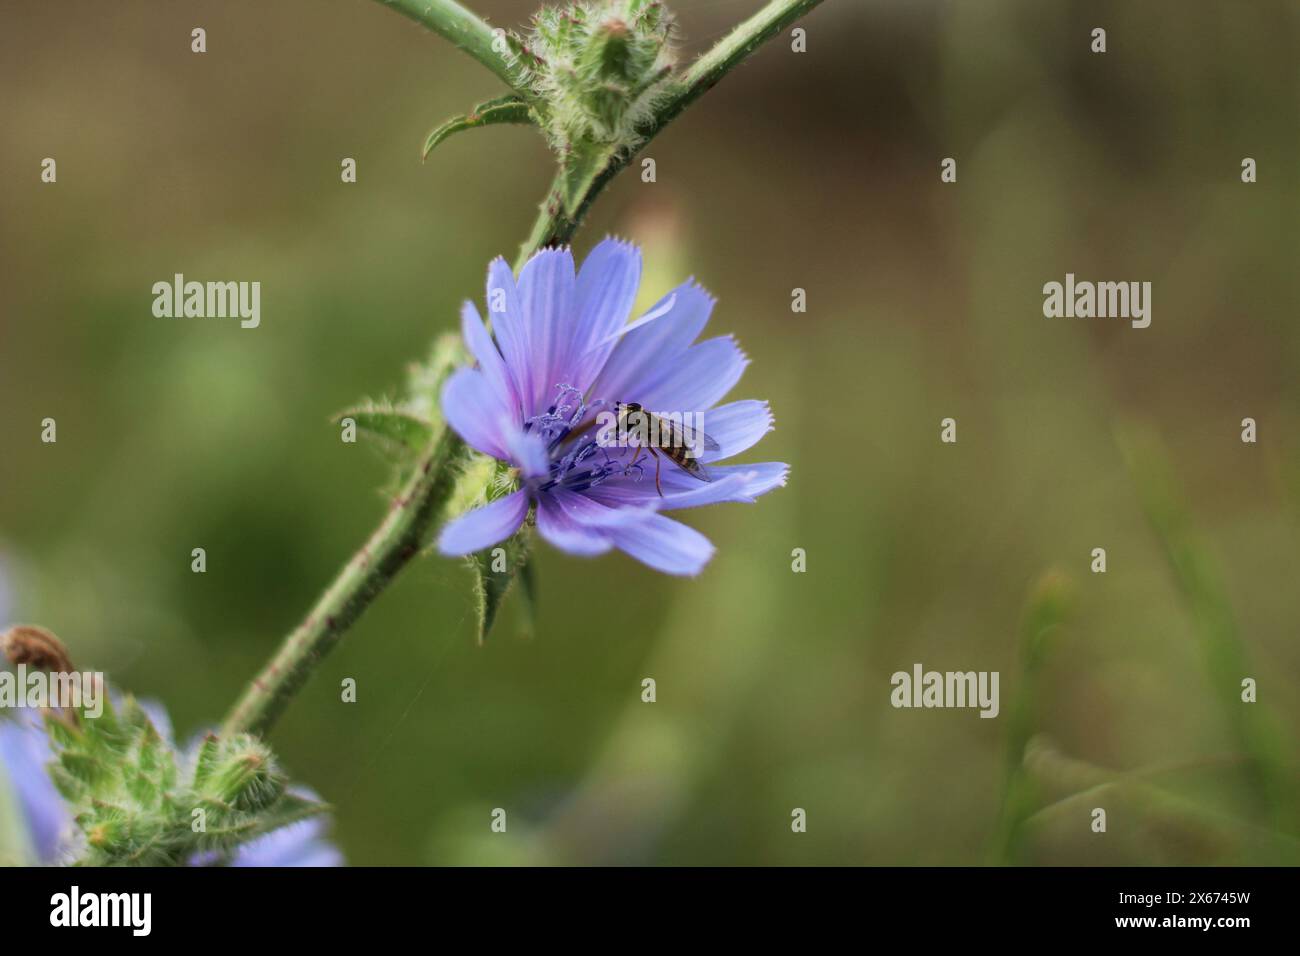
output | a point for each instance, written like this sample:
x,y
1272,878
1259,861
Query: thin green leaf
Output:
x,y
481,481
1047,609
503,109
425,379
1168,828
399,434
290,808
227,831
1201,582
494,572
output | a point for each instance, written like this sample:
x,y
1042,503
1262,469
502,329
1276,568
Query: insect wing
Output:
x,y
684,437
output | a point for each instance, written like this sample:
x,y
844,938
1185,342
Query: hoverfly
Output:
x,y
657,436
663,439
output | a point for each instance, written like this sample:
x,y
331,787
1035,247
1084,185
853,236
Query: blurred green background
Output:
x,y
817,170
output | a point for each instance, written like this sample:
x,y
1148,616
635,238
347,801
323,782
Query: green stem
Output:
x,y
398,538
404,530
463,28
552,227
730,52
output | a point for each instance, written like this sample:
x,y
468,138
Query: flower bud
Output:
x,y
244,775
599,68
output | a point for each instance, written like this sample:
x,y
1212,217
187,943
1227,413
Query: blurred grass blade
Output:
x,y
1153,825
504,109
1203,591
1047,608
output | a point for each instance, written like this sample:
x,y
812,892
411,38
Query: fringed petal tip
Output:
x,y
696,286
617,240
744,356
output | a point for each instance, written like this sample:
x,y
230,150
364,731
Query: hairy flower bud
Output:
x,y
599,67
243,774
139,800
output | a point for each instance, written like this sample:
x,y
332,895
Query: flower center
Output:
x,y
577,460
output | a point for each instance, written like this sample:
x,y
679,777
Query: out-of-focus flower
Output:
x,y
54,839
560,352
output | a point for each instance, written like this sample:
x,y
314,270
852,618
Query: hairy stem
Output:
x,y
552,227
463,28
399,537
405,528
730,52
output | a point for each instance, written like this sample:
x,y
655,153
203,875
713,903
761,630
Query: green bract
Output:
x,y
599,68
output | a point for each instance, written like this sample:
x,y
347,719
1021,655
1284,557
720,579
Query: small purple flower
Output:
x,y
25,752
560,353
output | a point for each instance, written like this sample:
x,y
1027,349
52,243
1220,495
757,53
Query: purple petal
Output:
x,y
731,483
695,381
546,290
484,350
24,753
527,451
580,525
474,409
485,526
680,490
666,305
644,350
760,477
298,844
506,315
736,427
665,545
607,286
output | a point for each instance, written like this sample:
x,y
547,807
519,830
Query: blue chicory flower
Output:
x,y
24,753
560,351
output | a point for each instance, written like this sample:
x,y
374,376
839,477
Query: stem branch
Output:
x,y
404,530
553,227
